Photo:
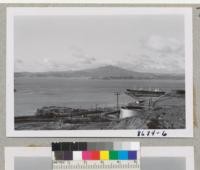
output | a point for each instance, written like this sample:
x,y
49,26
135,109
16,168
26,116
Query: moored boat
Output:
x,y
145,93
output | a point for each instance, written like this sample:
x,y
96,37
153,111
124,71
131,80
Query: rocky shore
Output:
x,y
166,114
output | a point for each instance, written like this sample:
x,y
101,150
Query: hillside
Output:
x,y
105,72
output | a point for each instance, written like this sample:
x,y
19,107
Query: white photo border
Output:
x,y
162,151
30,11
129,2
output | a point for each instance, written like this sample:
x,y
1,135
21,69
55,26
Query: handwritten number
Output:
x,y
151,133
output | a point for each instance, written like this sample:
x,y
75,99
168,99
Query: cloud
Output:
x,y
163,44
156,54
81,56
161,54
88,60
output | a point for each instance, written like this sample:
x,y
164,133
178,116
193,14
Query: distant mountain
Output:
x,y
105,72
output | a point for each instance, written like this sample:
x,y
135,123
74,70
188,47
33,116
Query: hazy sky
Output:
x,y
140,43
36,163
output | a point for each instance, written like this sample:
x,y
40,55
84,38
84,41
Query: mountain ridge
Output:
x,y
104,72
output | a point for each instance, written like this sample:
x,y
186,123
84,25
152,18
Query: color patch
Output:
x,y
132,155
86,155
77,155
68,155
59,155
123,155
104,155
56,146
113,155
94,155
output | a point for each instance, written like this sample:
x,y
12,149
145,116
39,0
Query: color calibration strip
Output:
x,y
89,146
95,155
101,156
95,151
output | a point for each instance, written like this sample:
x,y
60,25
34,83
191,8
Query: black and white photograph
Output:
x,y
94,71
152,158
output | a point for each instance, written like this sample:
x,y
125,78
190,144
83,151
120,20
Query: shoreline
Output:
x,y
166,113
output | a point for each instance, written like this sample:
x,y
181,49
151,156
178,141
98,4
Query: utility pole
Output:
x,y
96,107
117,94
